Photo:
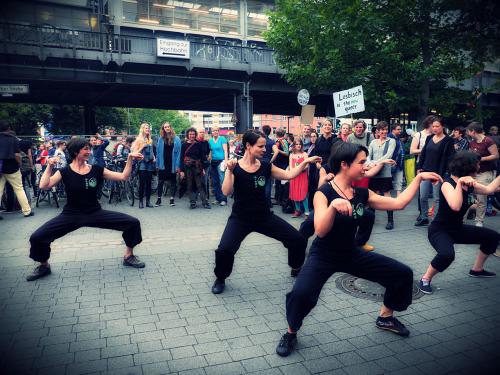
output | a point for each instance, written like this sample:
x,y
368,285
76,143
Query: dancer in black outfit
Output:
x,y
251,211
448,228
338,208
82,209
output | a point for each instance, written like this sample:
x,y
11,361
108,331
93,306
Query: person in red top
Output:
x,y
43,155
487,149
299,184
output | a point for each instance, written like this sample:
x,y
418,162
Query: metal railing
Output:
x,y
51,37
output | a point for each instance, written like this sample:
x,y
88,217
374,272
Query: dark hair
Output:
x,y
344,152
395,125
280,132
130,139
428,121
266,129
460,129
314,132
464,163
4,126
475,127
251,136
291,137
438,119
60,142
382,125
359,122
75,145
191,129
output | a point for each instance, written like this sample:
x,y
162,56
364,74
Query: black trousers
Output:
x,y
362,235
171,179
145,178
68,222
396,277
442,240
272,226
194,178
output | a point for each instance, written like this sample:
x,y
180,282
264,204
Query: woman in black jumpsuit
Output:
x,y
82,181
251,211
338,208
447,228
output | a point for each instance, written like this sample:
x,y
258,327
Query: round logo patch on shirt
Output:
x,y
358,210
261,181
92,182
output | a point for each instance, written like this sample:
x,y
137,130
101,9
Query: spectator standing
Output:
x,y
306,137
280,159
486,148
99,145
345,131
434,157
459,141
218,155
168,159
268,155
398,156
299,184
144,145
382,149
10,162
193,157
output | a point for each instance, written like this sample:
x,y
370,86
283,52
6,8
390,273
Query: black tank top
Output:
x,y
250,193
81,190
446,216
340,238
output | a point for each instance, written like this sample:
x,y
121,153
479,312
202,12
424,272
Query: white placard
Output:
x,y
173,48
15,89
349,101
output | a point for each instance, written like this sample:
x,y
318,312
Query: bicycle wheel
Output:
x,y
106,188
129,192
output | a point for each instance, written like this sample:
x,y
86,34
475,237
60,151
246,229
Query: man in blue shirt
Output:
x,y
218,154
98,144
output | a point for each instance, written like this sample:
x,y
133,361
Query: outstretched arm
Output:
x,y
394,204
281,174
491,188
47,181
228,184
122,176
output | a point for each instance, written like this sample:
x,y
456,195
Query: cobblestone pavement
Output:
x,y
92,315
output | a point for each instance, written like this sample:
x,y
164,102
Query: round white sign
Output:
x,y
303,97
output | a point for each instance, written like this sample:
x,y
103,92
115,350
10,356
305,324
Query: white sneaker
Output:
x,y
223,203
479,224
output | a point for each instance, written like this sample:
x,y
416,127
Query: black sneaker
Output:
x,y
425,286
390,225
392,324
30,214
172,203
192,205
158,202
421,221
482,273
39,272
218,286
295,273
286,344
207,206
133,261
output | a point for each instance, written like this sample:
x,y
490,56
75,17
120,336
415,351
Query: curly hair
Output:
x,y
464,163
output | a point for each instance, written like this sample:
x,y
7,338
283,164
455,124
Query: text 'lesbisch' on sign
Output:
x,y
349,101
173,48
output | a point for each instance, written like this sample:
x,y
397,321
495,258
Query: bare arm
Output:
x,y
414,150
491,188
122,176
324,177
394,204
47,181
281,174
453,196
228,184
493,149
226,153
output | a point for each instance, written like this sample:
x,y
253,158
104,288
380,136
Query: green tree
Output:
x,y
111,118
25,119
404,52
66,119
156,117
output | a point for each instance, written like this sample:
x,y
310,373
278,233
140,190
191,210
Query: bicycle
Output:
x,y
48,195
118,189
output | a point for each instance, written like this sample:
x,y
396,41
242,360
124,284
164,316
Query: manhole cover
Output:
x,y
365,289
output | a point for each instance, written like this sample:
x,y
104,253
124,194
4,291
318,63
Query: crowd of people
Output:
x,y
337,182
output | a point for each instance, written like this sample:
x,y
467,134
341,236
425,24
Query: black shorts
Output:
x,y
382,185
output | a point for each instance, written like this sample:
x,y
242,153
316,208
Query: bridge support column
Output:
x,y
244,113
89,119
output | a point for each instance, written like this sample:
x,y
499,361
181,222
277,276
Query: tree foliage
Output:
x,y
404,52
156,117
25,119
